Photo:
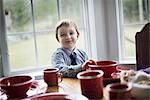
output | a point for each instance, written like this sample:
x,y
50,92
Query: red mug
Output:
x,y
108,67
52,77
16,86
119,91
91,82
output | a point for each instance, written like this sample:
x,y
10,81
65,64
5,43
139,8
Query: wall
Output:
x,y
106,29
1,68
100,29
112,21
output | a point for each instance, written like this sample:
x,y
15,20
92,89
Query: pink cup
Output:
x,y
52,77
91,82
119,91
108,67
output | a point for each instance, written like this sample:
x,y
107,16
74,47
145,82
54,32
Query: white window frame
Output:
x,y
122,58
91,49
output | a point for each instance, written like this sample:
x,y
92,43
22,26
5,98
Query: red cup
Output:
x,y
52,77
91,82
116,75
108,67
119,91
16,87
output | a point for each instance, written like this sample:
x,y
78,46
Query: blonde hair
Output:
x,y
65,22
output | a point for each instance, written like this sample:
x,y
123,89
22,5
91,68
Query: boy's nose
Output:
x,y
68,36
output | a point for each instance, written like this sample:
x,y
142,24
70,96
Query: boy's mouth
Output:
x,y
68,41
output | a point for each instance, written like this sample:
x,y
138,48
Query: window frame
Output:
x,y
114,32
3,43
122,58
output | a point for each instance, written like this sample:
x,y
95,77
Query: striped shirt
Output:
x,y
61,59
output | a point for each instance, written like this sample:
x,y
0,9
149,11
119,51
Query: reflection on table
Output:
x,y
71,86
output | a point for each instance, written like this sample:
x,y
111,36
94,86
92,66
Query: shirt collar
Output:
x,y
68,51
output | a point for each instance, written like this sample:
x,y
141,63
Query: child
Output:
x,y
69,59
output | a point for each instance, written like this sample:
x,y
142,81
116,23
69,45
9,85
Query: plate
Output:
x,y
35,90
2,96
39,88
57,96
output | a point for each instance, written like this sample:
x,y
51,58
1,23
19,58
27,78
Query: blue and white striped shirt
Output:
x,y
61,59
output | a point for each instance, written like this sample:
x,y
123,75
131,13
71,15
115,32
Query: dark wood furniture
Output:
x,y
142,40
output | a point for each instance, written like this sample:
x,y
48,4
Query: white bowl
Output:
x,y
141,86
139,91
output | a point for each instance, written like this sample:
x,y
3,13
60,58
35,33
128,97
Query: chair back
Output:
x,y
142,40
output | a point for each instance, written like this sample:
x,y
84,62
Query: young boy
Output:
x,y
69,59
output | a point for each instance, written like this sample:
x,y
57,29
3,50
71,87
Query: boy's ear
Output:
x,y
78,34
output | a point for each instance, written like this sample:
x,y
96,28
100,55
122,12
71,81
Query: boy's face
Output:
x,y
67,36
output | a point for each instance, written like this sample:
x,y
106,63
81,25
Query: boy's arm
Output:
x,y
67,70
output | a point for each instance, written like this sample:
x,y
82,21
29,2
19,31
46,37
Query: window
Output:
x,y
30,33
134,14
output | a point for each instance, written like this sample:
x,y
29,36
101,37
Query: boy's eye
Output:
x,y
62,35
71,33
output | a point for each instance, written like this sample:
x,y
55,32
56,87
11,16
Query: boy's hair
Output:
x,y
65,22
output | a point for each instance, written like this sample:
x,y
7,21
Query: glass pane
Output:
x,y
19,34
46,17
46,45
72,10
81,40
45,14
17,15
135,16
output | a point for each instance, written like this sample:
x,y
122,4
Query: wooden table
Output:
x,y
71,86
67,86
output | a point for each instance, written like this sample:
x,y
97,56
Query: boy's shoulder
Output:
x,y
81,51
59,50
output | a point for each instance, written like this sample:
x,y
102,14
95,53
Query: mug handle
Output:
x,y
60,77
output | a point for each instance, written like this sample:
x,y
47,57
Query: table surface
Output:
x,y
72,86
69,86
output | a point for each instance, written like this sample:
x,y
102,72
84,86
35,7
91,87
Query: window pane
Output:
x,y
135,16
46,45
19,33
18,16
46,14
72,10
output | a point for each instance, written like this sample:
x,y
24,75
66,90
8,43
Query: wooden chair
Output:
x,y
142,40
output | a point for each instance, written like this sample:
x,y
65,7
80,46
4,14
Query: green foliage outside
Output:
x,y
19,13
71,10
131,10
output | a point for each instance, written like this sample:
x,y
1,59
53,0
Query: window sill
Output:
x,y
128,60
129,64
37,75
